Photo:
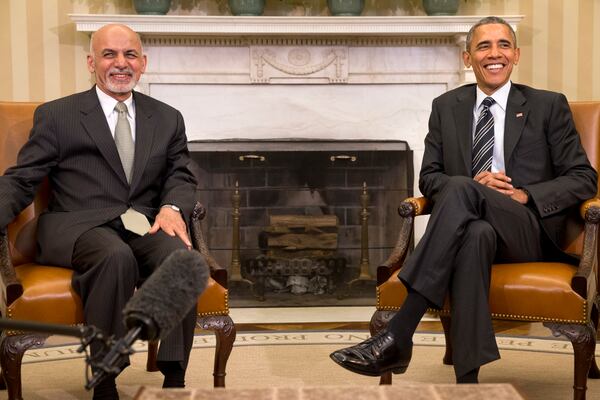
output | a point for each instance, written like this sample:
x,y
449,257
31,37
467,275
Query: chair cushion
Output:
x,y
537,291
48,297
214,300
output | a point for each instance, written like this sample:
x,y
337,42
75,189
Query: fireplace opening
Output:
x,y
298,255
301,222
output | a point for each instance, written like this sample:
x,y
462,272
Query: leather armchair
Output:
x,y
561,296
43,293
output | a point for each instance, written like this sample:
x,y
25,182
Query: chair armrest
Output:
x,y
415,206
10,285
408,210
217,272
583,210
585,281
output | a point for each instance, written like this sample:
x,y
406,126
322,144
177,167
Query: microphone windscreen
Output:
x,y
168,294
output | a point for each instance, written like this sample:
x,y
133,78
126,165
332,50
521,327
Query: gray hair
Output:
x,y
487,21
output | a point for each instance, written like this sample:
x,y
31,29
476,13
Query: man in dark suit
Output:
x,y
122,193
504,165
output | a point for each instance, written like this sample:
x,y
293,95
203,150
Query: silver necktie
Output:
x,y
124,140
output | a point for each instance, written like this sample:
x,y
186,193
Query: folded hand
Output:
x,y
501,182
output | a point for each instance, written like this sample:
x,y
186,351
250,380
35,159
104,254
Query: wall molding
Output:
x,y
227,26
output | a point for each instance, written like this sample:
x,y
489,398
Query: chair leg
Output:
x,y
594,372
446,323
151,365
379,321
12,349
2,382
583,340
225,333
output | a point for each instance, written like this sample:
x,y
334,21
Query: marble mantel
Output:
x,y
334,77
166,25
301,77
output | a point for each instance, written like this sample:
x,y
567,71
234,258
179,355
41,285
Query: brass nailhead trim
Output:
x,y
208,314
415,205
224,312
15,333
582,321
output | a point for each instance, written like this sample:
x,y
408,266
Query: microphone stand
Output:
x,y
86,334
116,351
112,362
141,326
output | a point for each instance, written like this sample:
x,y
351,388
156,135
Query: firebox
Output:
x,y
302,222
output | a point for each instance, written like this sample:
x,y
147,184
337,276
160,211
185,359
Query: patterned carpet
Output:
x,y
538,368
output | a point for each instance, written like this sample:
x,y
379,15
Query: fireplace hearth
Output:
x,y
298,221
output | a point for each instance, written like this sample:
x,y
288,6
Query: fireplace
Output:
x,y
339,199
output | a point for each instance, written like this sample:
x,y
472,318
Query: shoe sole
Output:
x,y
396,371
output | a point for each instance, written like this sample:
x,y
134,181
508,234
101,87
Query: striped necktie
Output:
x,y
483,141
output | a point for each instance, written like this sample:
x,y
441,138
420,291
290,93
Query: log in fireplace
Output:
x,y
301,222
299,255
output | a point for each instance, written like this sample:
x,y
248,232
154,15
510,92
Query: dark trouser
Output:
x,y
471,226
109,262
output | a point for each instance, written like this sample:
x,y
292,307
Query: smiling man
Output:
x,y
122,193
503,165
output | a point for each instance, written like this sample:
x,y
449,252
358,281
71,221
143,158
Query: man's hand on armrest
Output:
x,y
172,223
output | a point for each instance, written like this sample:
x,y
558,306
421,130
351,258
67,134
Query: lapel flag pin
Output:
x,y
519,114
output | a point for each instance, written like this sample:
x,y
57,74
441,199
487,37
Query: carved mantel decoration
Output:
x,y
317,62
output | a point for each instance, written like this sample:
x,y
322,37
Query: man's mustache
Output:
x,y
114,71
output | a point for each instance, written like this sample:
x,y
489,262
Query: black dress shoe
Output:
x,y
375,356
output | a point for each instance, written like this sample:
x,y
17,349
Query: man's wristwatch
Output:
x,y
172,207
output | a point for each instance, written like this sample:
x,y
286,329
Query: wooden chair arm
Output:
x,y
415,206
408,210
217,272
11,287
583,210
585,281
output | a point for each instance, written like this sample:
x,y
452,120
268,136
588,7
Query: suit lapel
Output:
x,y
94,122
144,136
463,116
516,116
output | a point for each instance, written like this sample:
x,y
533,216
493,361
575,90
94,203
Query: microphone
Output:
x,y
157,307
